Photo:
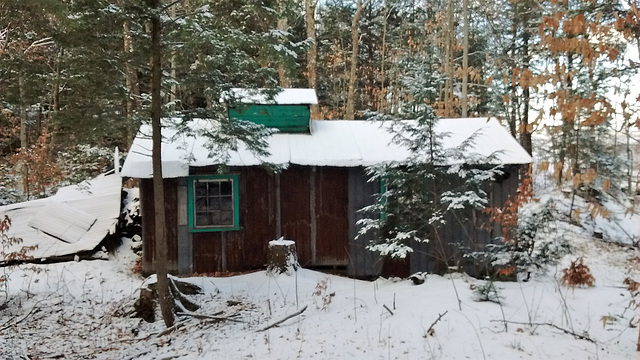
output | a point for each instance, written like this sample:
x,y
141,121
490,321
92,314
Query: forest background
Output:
x,y
75,74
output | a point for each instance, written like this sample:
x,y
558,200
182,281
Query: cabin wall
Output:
x,y
304,204
331,215
363,263
313,203
469,233
318,208
148,224
244,249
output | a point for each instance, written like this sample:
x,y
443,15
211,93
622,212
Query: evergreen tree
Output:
x,y
421,192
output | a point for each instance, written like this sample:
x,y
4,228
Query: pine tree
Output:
x,y
421,192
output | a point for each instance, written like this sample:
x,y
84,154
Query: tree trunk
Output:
x,y
355,42
174,82
55,100
465,58
131,82
525,135
164,295
383,91
282,26
24,143
449,68
312,54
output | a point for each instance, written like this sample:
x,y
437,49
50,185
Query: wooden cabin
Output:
x,y
222,222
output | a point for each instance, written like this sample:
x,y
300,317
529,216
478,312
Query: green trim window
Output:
x,y
214,203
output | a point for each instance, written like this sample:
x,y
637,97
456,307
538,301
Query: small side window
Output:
x,y
213,203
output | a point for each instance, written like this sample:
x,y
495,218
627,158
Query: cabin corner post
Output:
x,y
185,241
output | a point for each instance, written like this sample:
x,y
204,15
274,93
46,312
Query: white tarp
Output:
x,y
62,221
345,143
77,218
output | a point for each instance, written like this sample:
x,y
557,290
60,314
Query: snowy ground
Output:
x,y
78,310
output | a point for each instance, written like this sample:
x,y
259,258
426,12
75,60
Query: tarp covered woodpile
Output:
x,y
76,219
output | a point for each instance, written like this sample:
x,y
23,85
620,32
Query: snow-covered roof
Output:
x,y
77,218
345,143
284,97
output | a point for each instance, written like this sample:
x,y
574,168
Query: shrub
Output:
x,y
488,292
578,274
321,292
137,266
10,255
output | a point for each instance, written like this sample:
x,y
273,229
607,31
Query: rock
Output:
x,y
418,278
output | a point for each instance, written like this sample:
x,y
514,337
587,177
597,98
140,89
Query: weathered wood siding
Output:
x,y
315,206
148,226
286,118
246,248
332,220
295,200
465,232
363,263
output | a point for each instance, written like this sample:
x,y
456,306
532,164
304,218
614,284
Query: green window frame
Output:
x,y
214,203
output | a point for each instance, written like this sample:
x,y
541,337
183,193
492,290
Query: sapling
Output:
x,y
577,274
321,292
9,255
488,292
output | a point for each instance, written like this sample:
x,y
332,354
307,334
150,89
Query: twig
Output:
x,y
138,355
171,329
209,317
283,320
455,289
9,322
477,335
566,331
430,329
389,310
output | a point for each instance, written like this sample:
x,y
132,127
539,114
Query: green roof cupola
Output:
x,y
288,111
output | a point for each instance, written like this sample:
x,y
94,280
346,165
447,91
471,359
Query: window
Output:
x,y
213,203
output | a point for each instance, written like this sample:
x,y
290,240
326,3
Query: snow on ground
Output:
x,y
79,310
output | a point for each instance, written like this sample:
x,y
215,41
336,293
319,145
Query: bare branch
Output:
x,y
566,331
283,320
430,330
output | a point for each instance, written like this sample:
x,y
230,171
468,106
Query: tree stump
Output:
x,y
145,306
282,257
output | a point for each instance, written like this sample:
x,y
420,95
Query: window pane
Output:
x,y
214,218
202,219
201,203
226,203
214,203
226,188
214,188
226,218
200,188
